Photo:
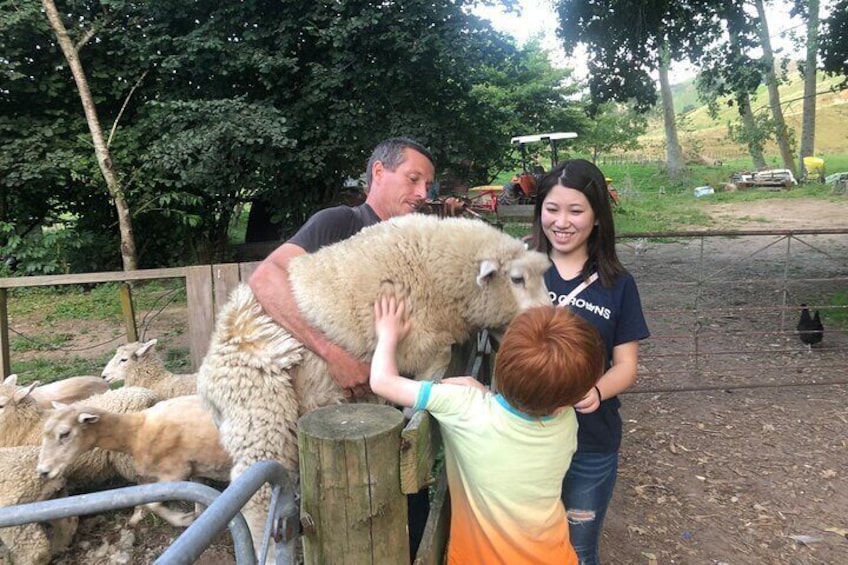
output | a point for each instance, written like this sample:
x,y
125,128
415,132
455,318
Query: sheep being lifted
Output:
x,y
457,275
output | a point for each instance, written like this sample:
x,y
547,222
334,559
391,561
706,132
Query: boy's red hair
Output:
x,y
549,357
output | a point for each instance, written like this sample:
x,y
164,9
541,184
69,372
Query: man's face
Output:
x,y
403,190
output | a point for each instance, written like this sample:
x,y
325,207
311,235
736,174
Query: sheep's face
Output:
x,y
126,357
509,286
10,398
116,368
62,441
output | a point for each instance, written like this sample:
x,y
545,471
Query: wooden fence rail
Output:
x,y
207,288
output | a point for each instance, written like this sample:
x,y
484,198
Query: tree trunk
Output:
x,y
808,123
781,131
755,146
675,161
755,138
101,150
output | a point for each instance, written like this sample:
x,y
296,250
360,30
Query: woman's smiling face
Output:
x,y
567,219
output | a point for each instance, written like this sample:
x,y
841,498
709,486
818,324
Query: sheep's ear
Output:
x,y
488,268
11,380
86,418
145,347
24,392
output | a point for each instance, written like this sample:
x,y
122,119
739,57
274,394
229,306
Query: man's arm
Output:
x,y
271,287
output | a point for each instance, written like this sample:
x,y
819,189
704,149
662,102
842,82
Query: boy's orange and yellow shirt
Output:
x,y
505,473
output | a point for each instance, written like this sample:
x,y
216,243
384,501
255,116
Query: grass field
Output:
x,y
698,128
58,332
653,203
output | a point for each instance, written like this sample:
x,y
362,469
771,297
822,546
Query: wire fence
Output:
x,y
723,307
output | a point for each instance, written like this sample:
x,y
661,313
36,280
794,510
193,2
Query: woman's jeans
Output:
x,y
586,492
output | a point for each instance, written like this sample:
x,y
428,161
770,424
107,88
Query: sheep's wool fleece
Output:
x,y
432,263
436,265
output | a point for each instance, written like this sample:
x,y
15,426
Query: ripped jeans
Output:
x,y
586,493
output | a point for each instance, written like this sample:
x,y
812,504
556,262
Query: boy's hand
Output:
x,y
390,320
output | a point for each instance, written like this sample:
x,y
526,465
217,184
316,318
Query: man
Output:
x,y
399,173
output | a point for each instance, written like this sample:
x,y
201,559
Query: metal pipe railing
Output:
x,y
223,509
280,526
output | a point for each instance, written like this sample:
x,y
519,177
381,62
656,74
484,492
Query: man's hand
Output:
x,y
348,372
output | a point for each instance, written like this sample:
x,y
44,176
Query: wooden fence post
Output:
x,y
201,308
5,363
128,310
352,505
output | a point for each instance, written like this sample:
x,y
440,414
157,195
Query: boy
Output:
x,y
506,453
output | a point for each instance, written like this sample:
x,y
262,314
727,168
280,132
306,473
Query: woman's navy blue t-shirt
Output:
x,y
617,314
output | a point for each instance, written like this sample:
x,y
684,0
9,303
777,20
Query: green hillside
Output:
x,y
699,129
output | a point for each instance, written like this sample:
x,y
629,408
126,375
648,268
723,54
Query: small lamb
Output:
x,y
66,390
137,364
174,440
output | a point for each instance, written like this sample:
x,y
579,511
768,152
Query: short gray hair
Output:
x,y
390,153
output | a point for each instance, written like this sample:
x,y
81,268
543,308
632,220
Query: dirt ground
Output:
x,y
747,463
781,214
712,470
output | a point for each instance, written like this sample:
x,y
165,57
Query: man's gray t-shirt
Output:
x,y
332,225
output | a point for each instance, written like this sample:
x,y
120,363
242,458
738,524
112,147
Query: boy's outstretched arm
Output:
x,y
392,326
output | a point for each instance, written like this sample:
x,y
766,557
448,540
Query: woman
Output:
x,y
573,224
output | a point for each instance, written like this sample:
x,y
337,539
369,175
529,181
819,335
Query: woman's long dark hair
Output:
x,y
584,176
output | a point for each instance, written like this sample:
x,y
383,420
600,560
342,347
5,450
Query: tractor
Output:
x,y
522,188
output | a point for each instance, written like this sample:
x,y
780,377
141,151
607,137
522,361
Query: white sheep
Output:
x,y
21,421
137,364
22,418
31,544
66,390
20,415
457,275
174,440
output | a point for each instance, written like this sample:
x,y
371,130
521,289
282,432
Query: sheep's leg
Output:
x,y
137,516
284,450
259,417
436,369
62,533
173,517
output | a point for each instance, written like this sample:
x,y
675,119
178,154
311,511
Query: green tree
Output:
x,y
782,131
613,126
209,106
629,40
522,95
834,40
71,50
726,69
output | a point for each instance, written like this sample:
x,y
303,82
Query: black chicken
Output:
x,y
810,329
